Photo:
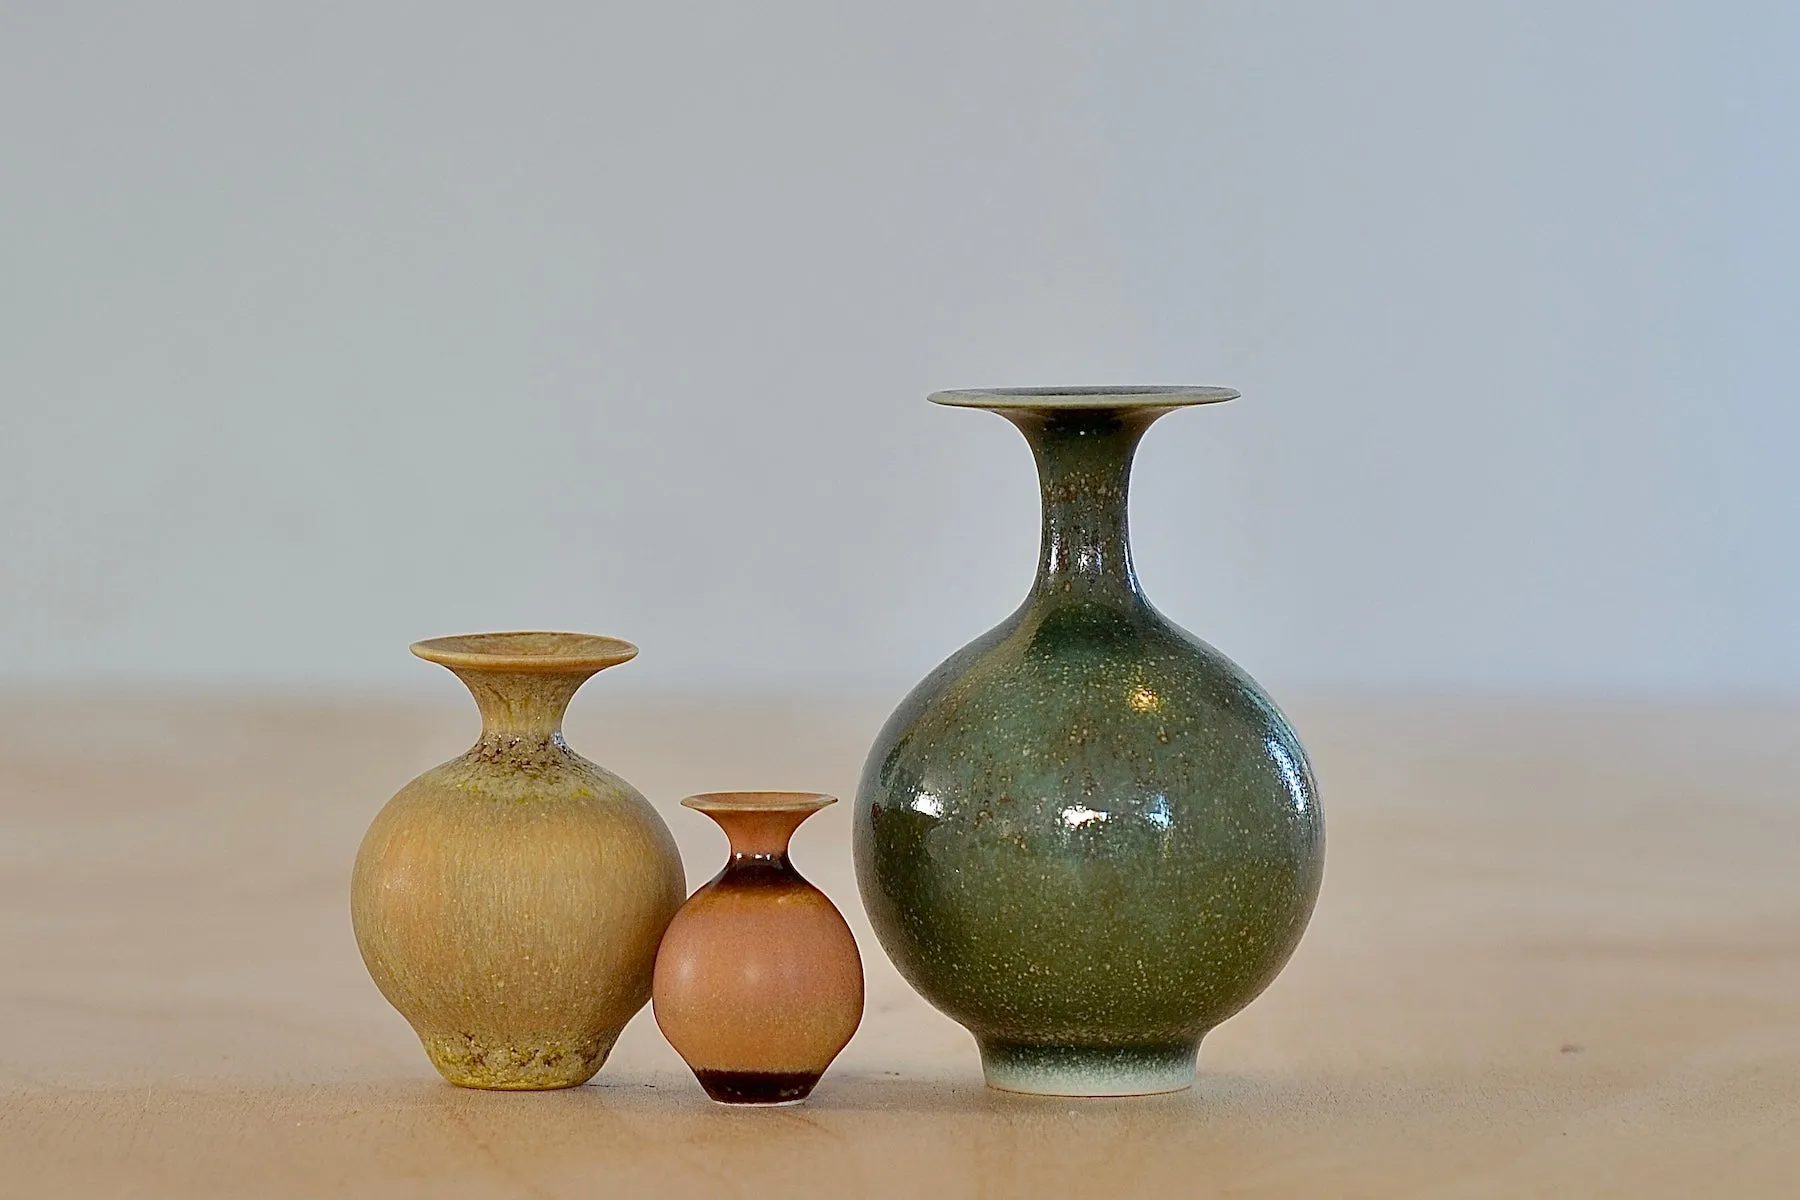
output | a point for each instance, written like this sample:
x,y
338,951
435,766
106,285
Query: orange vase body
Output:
x,y
758,981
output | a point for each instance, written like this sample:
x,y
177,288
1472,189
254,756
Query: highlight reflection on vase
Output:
x,y
758,981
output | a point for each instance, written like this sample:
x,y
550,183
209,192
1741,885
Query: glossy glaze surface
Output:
x,y
1088,836
509,902
758,982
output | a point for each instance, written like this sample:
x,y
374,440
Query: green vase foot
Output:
x,y
1088,1070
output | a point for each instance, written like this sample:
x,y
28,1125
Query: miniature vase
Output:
x,y
758,982
1088,836
509,902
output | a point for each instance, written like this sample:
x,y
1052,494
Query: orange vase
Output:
x,y
758,982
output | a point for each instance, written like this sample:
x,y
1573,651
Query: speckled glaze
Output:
x,y
509,902
758,981
1088,836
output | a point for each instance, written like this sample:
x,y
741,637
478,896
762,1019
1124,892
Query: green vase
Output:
x,y
1088,836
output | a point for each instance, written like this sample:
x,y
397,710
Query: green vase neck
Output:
x,y
1084,474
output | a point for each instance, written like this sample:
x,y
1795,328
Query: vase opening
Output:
x,y
1063,399
534,652
758,802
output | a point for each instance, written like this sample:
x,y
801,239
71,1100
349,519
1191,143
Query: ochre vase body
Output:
x,y
509,902
758,982
1088,836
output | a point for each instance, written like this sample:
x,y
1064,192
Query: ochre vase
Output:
x,y
509,902
758,982
1088,836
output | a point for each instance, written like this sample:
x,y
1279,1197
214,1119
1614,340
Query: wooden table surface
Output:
x,y
1557,954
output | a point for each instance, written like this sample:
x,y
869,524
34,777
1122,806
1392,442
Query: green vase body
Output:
x,y
1088,836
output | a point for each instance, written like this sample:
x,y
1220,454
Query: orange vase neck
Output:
x,y
759,824
759,835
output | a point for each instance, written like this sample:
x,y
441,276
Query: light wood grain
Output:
x,y
1557,953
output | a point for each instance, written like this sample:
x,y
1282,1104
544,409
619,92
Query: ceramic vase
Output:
x,y
758,982
509,902
1088,836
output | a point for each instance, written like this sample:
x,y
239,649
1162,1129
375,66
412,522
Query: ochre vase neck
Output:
x,y
1084,475
522,705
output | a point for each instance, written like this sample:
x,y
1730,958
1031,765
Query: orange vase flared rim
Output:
x,y
526,651
767,802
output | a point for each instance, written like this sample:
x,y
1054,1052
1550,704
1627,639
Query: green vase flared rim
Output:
x,y
1061,398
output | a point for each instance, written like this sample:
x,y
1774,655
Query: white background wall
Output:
x,y
324,327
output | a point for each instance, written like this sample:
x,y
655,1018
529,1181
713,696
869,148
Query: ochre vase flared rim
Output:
x,y
526,651
1039,398
766,802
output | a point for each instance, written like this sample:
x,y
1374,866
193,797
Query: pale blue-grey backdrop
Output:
x,y
328,326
